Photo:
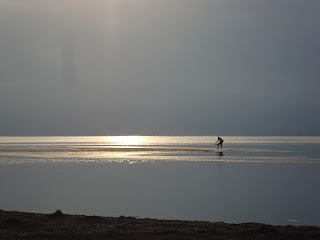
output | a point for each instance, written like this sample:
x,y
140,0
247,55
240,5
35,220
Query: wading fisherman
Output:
x,y
219,142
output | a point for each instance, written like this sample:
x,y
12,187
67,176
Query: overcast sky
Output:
x,y
159,67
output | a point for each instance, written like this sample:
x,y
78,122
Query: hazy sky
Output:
x,y
164,67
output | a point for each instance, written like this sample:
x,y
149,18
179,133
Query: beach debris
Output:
x,y
57,213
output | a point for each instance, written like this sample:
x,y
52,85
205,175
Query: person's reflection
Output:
x,y
219,154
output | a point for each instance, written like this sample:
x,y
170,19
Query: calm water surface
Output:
x,y
271,180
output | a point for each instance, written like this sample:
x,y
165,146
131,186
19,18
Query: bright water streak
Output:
x,y
17,150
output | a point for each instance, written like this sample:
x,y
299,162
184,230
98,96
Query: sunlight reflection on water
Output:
x,y
164,177
17,150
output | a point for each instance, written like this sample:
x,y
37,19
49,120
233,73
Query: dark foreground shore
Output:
x,y
19,225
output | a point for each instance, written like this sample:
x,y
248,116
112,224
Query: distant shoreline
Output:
x,y
156,135
21,225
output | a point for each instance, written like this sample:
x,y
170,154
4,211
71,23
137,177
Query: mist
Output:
x,y
151,67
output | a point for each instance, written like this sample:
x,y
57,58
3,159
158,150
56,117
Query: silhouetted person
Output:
x,y
219,142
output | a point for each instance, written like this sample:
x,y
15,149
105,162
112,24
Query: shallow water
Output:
x,y
263,179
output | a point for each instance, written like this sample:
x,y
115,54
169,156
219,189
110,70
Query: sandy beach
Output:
x,y
20,225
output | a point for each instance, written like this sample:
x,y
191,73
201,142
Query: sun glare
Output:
x,y
128,140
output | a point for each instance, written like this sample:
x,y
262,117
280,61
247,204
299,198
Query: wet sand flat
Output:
x,y
20,225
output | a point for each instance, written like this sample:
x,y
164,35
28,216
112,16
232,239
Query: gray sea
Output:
x,y
272,180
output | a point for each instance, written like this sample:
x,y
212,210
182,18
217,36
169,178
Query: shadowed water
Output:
x,y
263,179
